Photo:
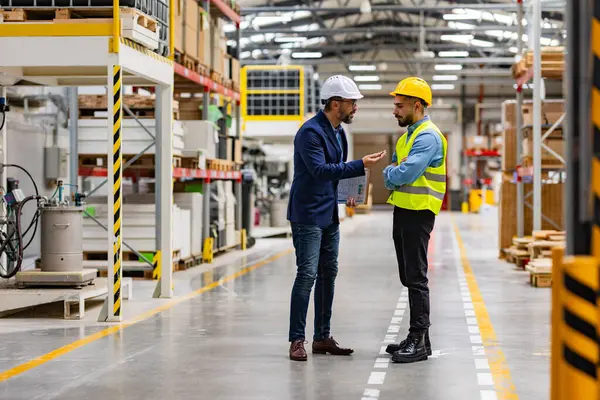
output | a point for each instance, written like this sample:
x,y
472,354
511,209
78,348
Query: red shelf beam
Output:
x,y
226,10
205,81
481,153
177,173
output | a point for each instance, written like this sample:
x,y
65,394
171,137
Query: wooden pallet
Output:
x,y
221,165
216,77
228,83
127,255
190,162
145,274
540,271
28,14
517,254
144,161
96,106
541,248
190,262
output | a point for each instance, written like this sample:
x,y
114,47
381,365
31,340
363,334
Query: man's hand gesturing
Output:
x,y
373,159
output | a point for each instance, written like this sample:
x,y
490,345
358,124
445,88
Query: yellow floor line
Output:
x,y
505,388
36,362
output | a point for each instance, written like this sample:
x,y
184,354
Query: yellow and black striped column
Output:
x,y
579,329
595,113
117,162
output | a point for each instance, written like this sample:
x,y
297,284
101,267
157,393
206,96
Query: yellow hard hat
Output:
x,y
414,87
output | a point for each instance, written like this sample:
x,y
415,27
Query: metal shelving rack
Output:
x,y
189,81
534,172
74,59
67,55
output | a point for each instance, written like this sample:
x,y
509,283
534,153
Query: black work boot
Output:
x,y
413,351
392,348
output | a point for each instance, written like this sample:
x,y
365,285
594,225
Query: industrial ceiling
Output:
x,y
455,45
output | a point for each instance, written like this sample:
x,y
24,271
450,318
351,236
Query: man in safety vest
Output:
x,y
417,179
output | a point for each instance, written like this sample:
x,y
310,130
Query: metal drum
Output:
x,y
62,238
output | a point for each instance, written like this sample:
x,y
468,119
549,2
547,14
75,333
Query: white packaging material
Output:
x,y
201,135
93,136
192,202
138,226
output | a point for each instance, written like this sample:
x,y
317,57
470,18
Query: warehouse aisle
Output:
x,y
230,343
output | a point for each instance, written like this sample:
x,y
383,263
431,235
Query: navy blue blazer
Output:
x,y
318,167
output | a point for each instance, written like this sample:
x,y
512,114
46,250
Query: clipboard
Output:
x,y
357,187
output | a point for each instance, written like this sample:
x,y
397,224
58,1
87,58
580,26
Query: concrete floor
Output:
x,y
230,343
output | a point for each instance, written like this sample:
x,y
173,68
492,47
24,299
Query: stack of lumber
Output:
x,y
518,253
540,254
553,63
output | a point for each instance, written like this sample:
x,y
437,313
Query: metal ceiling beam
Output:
x,y
464,61
387,29
474,72
367,46
557,6
468,82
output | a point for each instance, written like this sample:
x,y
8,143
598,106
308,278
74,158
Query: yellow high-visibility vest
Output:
x,y
427,192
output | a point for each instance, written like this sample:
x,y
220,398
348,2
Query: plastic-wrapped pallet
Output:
x,y
192,202
201,135
93,136
230,204
139,226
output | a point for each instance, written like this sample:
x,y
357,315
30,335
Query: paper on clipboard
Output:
x,y
357,187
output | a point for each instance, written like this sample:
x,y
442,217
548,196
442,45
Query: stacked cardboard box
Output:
x,y
192,29
218,48
552,193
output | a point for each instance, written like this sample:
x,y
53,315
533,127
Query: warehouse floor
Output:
x,y
229,341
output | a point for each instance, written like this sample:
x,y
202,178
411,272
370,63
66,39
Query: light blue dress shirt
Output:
x,y
427,150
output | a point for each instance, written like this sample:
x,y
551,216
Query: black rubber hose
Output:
x,y
20,248
37,193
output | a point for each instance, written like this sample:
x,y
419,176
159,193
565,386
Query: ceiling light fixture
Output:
x,y
442,86
366,78
448,67
307,54
370,87
362,67
453,54
445,77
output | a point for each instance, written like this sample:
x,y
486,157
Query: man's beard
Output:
x,y
405,121
347,119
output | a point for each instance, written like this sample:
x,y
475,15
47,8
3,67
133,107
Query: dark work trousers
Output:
x,y
411,234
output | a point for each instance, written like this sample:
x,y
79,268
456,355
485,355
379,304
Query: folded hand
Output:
x,y
351,202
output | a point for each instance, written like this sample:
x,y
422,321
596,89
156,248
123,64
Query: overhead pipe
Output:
x,y
556,6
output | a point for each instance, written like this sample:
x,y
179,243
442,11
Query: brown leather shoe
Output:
x,y
330,346
297,351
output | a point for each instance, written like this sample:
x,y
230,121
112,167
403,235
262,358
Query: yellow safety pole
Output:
x,y
577,372
595,115
558,254
116,26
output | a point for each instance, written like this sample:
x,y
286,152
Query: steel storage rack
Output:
x,y
192,82
541,136
66,54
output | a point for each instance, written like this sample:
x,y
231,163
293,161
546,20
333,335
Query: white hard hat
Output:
x,y
340,86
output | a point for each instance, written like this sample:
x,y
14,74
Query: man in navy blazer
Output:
x,y
320,154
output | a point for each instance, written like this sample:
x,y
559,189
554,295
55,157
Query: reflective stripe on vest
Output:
x,y
420,190
426,192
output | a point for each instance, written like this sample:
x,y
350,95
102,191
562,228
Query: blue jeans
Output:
x,y
316,259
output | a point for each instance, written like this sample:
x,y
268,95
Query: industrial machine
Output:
x,y
61,237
